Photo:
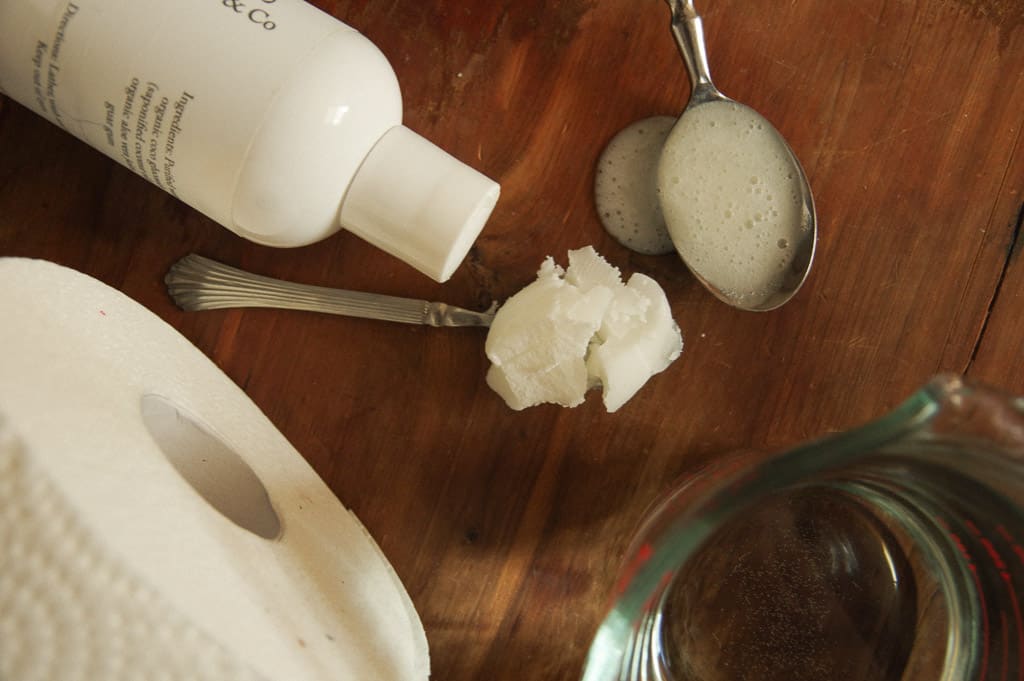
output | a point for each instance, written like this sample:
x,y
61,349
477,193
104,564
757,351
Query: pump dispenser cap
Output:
x,y
418,203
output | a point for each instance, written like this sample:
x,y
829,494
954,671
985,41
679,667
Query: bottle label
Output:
x,y
155,85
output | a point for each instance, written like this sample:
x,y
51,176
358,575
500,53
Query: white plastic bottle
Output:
x,y
269,116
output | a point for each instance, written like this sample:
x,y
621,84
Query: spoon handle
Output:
x,y
688,31
198,283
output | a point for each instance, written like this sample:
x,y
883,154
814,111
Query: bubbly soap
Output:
x,y
625,187
730,193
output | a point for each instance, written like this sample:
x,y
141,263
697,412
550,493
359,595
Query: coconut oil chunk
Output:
x,y
579,328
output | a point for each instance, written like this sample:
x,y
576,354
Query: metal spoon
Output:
x,y
198,283
799,250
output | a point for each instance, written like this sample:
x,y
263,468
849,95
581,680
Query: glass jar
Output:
x,y
892,551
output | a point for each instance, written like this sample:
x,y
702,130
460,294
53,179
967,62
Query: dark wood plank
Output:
x,y
999,358
507,527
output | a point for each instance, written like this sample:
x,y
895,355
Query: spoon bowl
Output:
x,y
736,202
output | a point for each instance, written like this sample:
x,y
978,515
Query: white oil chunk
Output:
x,y
580,328
625,187
731,195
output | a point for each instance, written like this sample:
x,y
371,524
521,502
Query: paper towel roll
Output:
x,y
154,524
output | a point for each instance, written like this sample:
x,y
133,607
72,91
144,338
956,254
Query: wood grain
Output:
x,y
508,527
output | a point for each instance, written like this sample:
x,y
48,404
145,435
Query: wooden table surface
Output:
x,y
507,527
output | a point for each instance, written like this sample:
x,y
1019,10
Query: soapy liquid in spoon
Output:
x,y
626,183
731,197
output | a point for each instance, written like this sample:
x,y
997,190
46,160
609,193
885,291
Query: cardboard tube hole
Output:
x,y
214,470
